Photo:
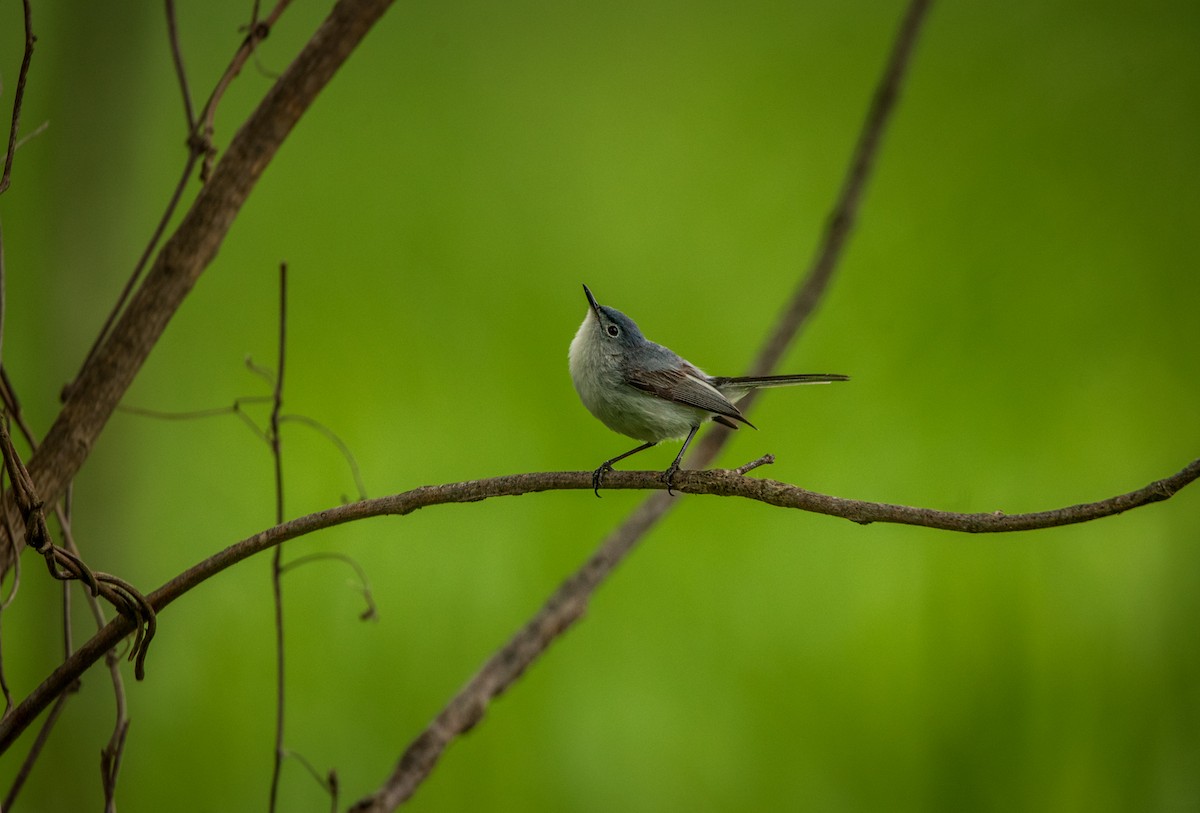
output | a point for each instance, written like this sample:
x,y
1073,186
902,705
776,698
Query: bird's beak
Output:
x,y
592,301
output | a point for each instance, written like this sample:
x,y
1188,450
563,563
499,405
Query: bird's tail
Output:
x,y
753,382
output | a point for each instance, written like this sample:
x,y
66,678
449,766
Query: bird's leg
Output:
x,y
607,465
669,474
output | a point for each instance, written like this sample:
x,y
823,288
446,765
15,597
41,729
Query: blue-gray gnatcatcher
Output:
x,y
651,393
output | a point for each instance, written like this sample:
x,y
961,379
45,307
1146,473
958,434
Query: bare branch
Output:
x,y
185,255
277,560
18,97
561,609
566,605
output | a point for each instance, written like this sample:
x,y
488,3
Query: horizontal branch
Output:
x,y
784,495
717,482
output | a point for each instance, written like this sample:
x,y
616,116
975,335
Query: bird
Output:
x,y
648,392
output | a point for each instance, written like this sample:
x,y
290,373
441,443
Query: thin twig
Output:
x,y
3,294
112,753
37,535
328,783
18,97
565,607
715,482
203,131
10,535
7,601
765,460
32,134
43,735
35,750
12,405
4,687
236,409
177,57
196,414
277,558
364,585
339,444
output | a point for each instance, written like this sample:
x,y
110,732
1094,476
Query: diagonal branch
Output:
x,y
560,612
569,602
185,255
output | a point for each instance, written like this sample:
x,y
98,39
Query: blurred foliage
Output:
x,y
1017,309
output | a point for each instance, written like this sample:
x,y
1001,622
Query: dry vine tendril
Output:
x,y
66,566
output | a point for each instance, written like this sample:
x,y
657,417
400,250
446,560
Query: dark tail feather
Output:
x,y
752,381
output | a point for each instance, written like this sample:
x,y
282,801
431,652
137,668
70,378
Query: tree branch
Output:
x,y
107,375
560,610
570,601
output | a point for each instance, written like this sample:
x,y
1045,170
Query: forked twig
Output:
x,y
204,127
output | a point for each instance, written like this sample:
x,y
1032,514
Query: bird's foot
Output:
x,y
598,477
669,477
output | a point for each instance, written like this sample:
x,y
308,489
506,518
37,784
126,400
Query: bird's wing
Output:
x,y
685,385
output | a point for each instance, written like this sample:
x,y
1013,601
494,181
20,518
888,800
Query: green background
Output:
x,y
1018,309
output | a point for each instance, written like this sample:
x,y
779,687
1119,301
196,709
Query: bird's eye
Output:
x,y
613,330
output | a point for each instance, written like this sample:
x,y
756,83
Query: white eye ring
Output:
x,y
613,330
